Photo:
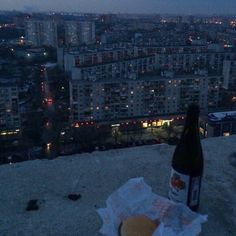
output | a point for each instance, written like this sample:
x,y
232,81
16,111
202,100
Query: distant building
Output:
x,y
185,59
108,84
229,84
79,32
107,19
87,32
189,59
41,33
9,110
229,73
113,37
115,60
218,124
71,33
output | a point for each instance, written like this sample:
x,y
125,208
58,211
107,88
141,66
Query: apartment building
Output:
x,y
183,59
143,96
79,32
71,33
125,82
99,56
9,109
178,59
229,73
116,70
41,32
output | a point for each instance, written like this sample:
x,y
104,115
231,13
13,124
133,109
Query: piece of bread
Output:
x,y
138,226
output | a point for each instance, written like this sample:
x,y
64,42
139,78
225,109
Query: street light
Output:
x,y
49,145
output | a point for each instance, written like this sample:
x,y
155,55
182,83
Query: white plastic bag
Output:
x,y
135,197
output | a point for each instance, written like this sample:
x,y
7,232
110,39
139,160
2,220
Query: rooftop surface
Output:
x,y
95,176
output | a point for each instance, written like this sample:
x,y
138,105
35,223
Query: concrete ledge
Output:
x,y
95,176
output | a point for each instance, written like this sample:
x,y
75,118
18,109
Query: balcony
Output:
x,y
94,176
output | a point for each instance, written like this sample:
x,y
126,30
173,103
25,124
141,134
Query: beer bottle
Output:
x,y
187,163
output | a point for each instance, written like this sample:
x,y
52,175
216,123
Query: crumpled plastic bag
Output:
x,y
135,197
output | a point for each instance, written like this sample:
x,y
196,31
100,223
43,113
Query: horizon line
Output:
x,y
118,13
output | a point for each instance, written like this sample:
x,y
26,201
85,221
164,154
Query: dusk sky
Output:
x,y
125,6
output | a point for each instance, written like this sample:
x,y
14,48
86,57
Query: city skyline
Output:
x,y
125,6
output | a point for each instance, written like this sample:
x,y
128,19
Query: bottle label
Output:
x,y
179,185
179,188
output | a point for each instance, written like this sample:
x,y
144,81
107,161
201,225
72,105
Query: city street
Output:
x,y
49,134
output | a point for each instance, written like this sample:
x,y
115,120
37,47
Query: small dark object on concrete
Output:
x,y
74,197
32,205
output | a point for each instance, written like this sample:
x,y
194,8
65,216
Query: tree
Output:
x,y
116,134
88,136
33,130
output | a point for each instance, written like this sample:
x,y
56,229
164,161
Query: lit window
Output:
x,y
145,124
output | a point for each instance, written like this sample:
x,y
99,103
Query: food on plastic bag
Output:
x,y
136,198
138,226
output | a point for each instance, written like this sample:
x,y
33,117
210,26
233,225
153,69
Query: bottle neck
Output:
x,y
192,120
192,124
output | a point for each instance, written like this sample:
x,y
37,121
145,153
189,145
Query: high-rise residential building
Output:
x,y
139,96
71,33
109,84
229,73
41,33
79,32
228,95
87,32
185,59
9,109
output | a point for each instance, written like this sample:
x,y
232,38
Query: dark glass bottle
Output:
x,y
187,163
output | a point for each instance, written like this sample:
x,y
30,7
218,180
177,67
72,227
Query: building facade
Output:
x,y
41,33
131,81
71,33
87,32
134,97
79,32
229,73
177,59
10,123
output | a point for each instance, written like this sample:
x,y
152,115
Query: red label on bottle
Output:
x,y
179,185
179,188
